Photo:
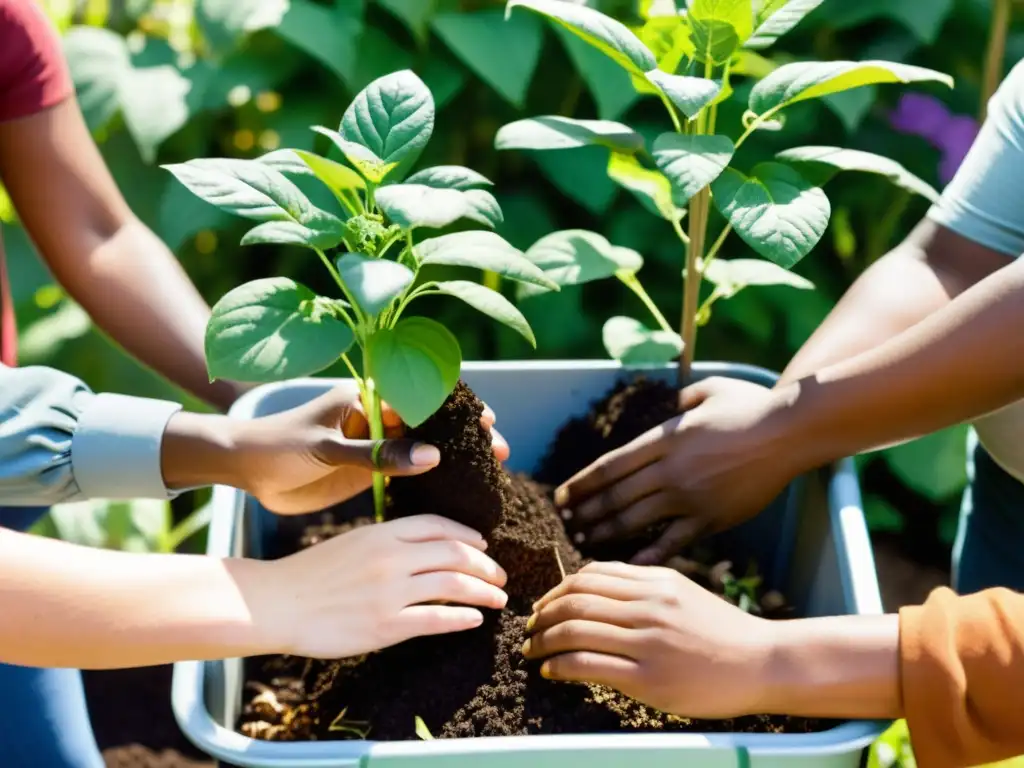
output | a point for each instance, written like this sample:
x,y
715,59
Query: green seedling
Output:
x,y
422,731
689,59
358,728
273,329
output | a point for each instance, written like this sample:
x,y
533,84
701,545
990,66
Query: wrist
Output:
x,y
836,667
200,450
798,422
263,592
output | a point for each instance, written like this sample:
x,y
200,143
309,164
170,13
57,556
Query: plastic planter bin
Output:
x,y
812,543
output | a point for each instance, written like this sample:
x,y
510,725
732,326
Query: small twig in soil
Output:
x,y
359,728
558,559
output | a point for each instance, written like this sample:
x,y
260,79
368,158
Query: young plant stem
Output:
x,y
691,289
716,246
995,52
630,280
371,404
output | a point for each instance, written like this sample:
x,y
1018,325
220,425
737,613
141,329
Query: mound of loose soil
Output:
x,y
477,683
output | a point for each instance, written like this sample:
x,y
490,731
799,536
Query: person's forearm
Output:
x,y
136,291
922,275
959,363
836,667
69,606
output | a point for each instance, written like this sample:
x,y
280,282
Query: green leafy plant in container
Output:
x,y
689,58
274,328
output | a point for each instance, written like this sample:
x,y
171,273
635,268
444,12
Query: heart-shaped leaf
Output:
x,y
481,250
345,183
776,18
491,303
602,32
577,256
449,177
719,27
251,189
286,161
689,94
415,366
632,343
554,132
417,205
372,167
799,81
373,283
668,38
691,162
272,330
393,117
652,188
776,211
733,275
293,233
819,164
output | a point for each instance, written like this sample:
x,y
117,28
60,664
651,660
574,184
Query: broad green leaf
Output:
x,y
851,107
286,161
776,18
329,37
482,250
689,94
345,183
799,81
417,205
613,88
632,343
393,117
503,53
415,366
775,210
581,175
691,162
273,329
373,168
602,32
554,132
652,188
668,38
653,9
250,189
98,59
373,283
820,164
293,233
415,14
751,64
449,177
225,22
719,27
924,20
577,256
154,103
934,465
491,303
733,275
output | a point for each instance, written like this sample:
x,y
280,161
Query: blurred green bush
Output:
x,y
170,80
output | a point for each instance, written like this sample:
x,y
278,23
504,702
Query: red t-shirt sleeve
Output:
x,y
33,73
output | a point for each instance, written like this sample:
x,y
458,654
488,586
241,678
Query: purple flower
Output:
x,y
925,116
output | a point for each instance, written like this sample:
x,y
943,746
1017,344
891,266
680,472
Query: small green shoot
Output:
x,y
422,731
358,728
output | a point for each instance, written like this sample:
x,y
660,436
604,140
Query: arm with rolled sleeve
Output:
x,y
61,442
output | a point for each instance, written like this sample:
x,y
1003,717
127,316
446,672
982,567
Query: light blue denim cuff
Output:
x,y
115,449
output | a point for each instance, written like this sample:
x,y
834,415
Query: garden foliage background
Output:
x,y
169,80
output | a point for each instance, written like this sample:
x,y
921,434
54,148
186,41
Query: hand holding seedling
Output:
x,y
301,460
658,637
711,468
369,588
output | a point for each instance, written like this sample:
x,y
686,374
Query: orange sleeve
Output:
x,y
962,677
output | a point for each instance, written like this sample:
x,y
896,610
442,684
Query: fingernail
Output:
x,y
424,455
545,671
531,622
561,497
526,648
567,514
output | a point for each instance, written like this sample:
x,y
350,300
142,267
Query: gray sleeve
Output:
x,y
985,200
60,442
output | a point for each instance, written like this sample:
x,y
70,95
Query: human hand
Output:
x,y
654,635
718,464
374,587
319,454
